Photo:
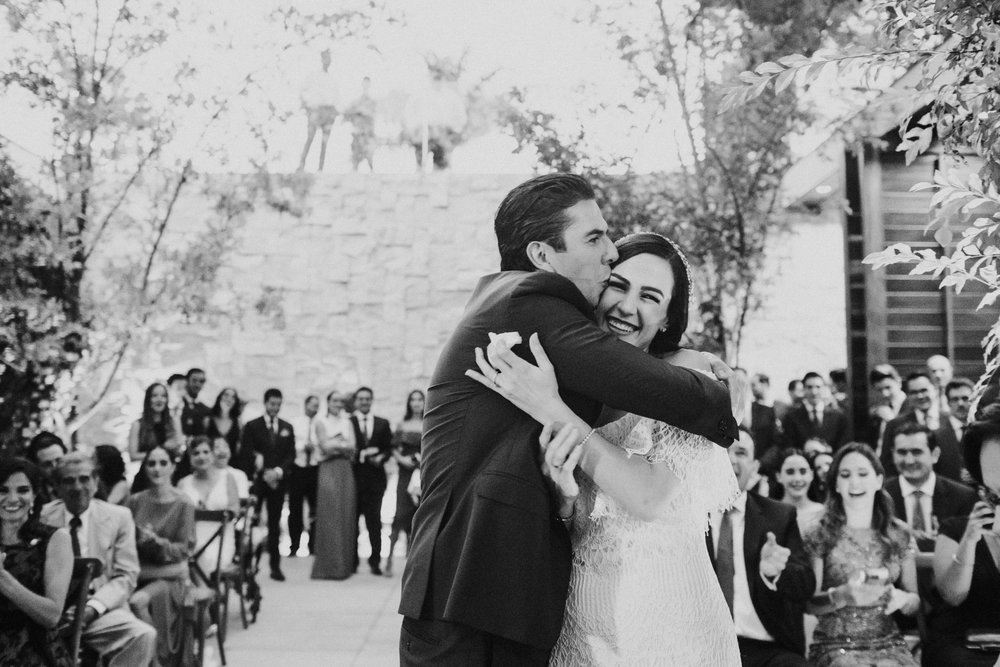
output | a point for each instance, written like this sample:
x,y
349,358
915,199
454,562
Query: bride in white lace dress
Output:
x,y
642,589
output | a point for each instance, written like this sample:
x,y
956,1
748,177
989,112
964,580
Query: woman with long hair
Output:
x,y
862,555
336,543
795,477
165,537
225,420
406,452
154,427
35,568
209,488
112,486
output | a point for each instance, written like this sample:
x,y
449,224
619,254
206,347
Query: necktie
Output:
x,y
817,420
364,427
274,425
918,524
74,526
725,569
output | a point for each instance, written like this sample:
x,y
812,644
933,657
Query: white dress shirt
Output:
x,y
83,537
748,623
926,501
366,422
305,432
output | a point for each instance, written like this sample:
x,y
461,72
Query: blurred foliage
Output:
x,y
720,202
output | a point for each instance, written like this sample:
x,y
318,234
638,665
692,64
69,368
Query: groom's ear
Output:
x,y
538,255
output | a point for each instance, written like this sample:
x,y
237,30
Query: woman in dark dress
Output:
x,y
35,568
336,516
406,451
966,554
153,428
225,423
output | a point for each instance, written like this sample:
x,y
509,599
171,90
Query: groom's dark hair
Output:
x,y
536,211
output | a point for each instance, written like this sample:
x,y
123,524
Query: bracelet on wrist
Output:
x,y
587,437
567,519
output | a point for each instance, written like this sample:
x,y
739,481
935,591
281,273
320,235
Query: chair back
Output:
x,y
85,570
217,538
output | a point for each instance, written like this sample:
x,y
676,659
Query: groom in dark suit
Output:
x,y
488,569
272,441
373,438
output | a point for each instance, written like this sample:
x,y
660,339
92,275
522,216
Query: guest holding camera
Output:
x,y
966,554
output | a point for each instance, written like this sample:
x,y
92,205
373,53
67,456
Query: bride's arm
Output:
x,y
644,489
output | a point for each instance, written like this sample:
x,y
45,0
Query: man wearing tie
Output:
x,y
272,441
763,569
105,532
922,398
817,417
951,463
373,436
302,485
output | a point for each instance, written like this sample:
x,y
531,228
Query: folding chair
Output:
x,y
241,574
71,628
208,591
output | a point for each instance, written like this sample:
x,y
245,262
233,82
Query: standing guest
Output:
x,y
922,398
762,568
374,442
45,451
220,448
154,427
34,574
336,507
406,452
859,549
112,486
272,440
165,537
887,400
764,425
816,417
176,390
839,389
966,573
795,476
105,532
195,415
940,369
209,488
951,464
224,422
796,394
921,497
303,481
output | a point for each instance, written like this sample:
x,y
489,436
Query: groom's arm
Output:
x,y
594,363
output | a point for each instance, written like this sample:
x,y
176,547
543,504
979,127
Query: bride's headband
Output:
x,y
684,259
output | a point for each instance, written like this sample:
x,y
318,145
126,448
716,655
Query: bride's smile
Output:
x,y
634,304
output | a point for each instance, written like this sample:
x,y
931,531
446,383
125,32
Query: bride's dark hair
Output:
x,y
648,243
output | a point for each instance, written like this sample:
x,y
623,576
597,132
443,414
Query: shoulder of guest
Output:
x,y
98,507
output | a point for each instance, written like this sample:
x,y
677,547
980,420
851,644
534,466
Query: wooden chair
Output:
x,y
208,590
71,630
241,575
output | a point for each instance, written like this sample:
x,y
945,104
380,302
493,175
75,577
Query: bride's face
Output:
x,y
634,305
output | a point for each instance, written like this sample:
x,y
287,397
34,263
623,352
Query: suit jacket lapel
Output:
x,y
939,498
751,537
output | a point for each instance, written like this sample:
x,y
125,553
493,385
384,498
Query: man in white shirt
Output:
x,y
303,479
951,463
105,532
922,498
763,570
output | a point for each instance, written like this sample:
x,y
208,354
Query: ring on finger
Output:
x,y
496,374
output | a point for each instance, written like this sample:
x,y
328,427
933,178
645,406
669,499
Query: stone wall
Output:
x,y
365,285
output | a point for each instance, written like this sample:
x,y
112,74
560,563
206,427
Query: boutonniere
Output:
x,y
284,433
34,542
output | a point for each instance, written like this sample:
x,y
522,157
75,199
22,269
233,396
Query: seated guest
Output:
x,y
816,417
887,400
34,573
950,463
45,451
220,448
820,456
111,484
859,551
105,532
921,497
922,408
209,488
154,427
795,477
164,524
224,422
965,559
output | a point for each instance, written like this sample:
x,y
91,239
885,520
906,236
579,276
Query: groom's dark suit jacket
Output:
x,y
487,549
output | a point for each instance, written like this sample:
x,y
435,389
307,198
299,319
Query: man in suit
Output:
x,y
922,498
885,389
272,440
816,417
373,438
922,400
951,463
105,532
46,450
194,413
940,369
302,486
763,569
764,425
488,570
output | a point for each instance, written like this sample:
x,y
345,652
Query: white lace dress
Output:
x,y
645,593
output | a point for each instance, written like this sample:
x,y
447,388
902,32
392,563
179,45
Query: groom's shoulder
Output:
x,y
522,284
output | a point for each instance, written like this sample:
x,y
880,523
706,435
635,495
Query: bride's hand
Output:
x,y
560,456
739,385
531,388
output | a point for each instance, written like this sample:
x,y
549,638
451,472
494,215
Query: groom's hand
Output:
x,y
739,385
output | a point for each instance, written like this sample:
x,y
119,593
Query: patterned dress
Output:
x,y
24,643
644,592
857,636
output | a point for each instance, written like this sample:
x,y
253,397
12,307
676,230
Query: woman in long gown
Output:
x,y
859,549
642,589
336,516
406,452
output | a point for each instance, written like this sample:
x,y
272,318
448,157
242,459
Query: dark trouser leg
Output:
x,y
296,496
275,502
444,644
754,653
370,507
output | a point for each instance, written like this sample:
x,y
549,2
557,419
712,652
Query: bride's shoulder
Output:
x,y
689,359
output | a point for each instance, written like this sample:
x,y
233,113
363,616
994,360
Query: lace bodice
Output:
x,y
644,592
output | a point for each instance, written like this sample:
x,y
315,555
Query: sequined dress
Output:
x,y
857,636
644,593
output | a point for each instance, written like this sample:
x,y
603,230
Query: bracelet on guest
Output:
x,y
567,519
587,437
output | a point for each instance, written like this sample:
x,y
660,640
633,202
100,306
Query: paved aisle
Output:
x,y
305,623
